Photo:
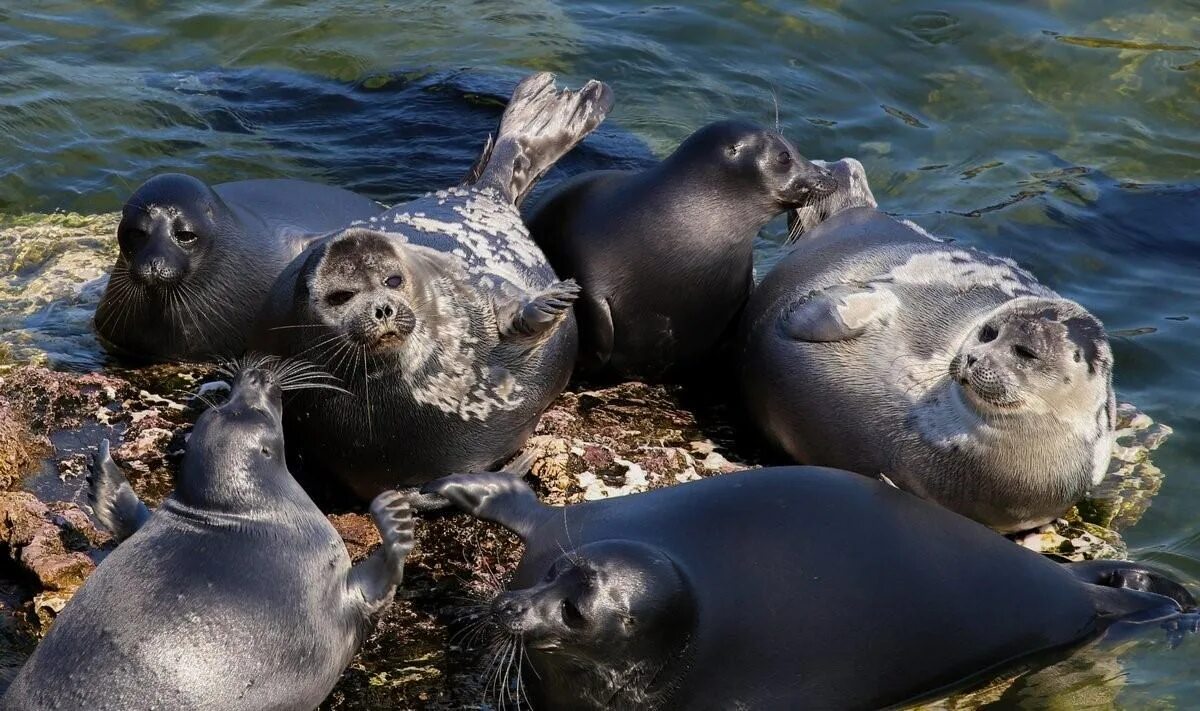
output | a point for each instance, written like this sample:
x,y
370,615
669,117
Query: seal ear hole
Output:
x,y
185,237
571,615
987,334
732,151
1025,352
1078,357
266,452
337,298
394,281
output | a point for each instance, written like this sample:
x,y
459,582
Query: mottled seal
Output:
x,y
441,315
236,593
853,190
876,348
197,261
781,588
664,256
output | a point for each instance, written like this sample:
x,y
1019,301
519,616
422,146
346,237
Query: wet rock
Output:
x,y
19,446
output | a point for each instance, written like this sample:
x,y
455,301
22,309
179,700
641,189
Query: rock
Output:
x,y
20,448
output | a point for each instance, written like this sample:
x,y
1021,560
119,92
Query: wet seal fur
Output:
x,y
877,348
236,593
440,315
761,590
664,256
196,261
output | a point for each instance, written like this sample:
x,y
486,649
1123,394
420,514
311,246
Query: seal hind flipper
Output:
x,y
532,316
502,497
113,501
373,581
1132,576
538,127
838,313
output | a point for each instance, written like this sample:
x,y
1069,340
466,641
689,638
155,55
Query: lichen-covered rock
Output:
x,y
47,544
20,448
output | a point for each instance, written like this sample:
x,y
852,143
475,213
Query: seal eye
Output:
x,y
1077,357
987,334
185,237
266,452
732,151
571,615
394,281
1024,352
785,158
338,298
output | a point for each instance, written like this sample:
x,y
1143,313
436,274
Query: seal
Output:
x,y
876,348
853,190
441,316
196,261
236,593
762,590
664,256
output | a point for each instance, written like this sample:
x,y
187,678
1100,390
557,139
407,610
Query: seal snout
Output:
x,y
511,612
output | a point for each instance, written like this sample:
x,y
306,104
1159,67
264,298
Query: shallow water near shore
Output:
x,y
1061,133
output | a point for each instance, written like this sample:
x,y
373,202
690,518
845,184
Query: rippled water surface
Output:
x,y
1062,133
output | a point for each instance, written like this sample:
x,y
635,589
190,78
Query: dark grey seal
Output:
x,y
877,348
441,316
782,588
196,261
664,256
236,593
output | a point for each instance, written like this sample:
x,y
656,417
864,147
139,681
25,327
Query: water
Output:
x,y
1062,133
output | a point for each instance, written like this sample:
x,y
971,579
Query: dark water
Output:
x,y
1062,133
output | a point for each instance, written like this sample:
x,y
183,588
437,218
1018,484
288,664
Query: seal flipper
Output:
x,y
1132,576
373,581
838,313
538,127
501,497
112,499
532,316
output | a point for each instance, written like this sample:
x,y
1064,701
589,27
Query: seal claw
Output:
x,y
537,315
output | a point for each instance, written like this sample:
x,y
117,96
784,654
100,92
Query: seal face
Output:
x,y
651,601
196,262
441,315
236,593
951,371
665,256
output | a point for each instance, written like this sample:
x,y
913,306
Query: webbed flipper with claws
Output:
x,y
502,497
534,315
373,581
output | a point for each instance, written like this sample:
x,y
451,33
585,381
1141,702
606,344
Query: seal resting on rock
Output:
x,y
877,348
781,588
664,256
197,261
441,316
236,593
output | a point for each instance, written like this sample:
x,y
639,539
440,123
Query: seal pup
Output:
x,y
780,588
664,256
441,315
196,262
236,593
877,348
853,190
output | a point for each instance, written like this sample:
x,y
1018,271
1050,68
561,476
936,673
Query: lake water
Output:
x,y
1062,133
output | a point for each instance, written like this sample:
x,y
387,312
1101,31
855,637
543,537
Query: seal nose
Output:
x,y
384,311
509,610
971,360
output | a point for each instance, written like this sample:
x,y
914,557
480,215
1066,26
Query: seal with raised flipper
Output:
x,y
875,347
236,593
664,257
779,588
441,316
196,261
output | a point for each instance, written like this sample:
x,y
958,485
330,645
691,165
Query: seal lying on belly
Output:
x,y
781,588
876,348
196,261
236,593
441,315
664,257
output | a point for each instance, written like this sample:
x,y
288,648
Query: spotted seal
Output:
x,y
441,315
876,348
236,593
780,588
665,256
196,261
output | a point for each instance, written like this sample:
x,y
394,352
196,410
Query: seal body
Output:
x,y
876,348
854,595
236,593
441,316
664,257
196,261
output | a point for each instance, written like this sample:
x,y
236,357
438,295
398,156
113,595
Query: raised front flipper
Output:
x,y
112,499
533,315
502,497
838,313
373,581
